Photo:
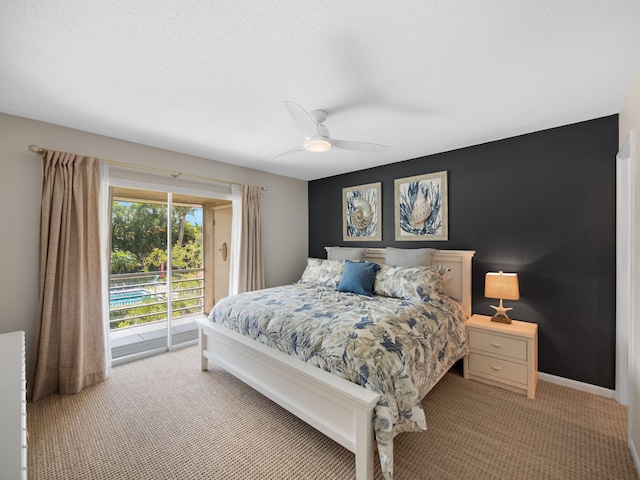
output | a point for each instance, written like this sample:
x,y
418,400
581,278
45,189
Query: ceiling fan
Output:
x,y
316,135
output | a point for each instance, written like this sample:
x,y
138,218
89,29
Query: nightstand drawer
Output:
x,y
498,368
497,344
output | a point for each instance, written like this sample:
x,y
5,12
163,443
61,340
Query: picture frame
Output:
x,y
362,213
421,207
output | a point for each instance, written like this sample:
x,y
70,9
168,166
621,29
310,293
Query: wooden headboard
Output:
x,y
458,262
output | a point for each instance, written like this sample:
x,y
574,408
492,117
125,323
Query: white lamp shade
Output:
x,y
501,285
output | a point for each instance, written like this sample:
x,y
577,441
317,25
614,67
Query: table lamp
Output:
x,y
503,286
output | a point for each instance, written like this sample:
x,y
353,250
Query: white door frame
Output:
x,y
625,195
168,189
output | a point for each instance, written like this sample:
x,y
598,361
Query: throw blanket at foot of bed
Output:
x,y
394,347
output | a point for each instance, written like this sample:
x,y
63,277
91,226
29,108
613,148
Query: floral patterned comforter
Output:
x,y
396,348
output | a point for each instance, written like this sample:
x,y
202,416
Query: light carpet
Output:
x,y
162,418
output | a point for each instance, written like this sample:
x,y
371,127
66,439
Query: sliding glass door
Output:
x,y
159,283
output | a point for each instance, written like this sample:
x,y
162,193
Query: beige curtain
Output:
x,y
69,342
251,275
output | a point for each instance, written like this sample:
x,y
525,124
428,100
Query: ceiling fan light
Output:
x,y
317,145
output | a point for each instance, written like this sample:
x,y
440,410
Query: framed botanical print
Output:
x,y
421,209
362,213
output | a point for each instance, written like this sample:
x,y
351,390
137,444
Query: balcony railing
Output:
x,y
141,298
139,306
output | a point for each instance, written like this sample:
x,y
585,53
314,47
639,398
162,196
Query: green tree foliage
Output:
x,y
139,237
123,262
155,260
187,256
139,244
184,232
138,227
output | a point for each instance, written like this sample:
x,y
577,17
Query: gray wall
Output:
x,y
541,205
283,204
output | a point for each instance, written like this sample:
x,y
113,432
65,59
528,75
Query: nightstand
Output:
x,y
504,355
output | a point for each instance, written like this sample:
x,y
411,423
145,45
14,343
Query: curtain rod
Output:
x,y
39,150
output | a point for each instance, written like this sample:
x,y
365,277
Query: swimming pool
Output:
x,y
127,297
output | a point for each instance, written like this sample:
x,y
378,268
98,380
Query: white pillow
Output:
x,y
409,257
346,253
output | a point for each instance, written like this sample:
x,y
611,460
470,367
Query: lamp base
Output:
x,y
501,314
500,319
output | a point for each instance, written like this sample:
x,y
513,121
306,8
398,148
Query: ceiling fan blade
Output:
x,y
288,152
358,146
302,119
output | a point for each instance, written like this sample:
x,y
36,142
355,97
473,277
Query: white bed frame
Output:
x,y
336,407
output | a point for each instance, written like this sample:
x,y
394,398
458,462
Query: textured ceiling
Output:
x,y
209,78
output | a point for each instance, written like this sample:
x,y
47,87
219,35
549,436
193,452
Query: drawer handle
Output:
x,y
495,344
496,368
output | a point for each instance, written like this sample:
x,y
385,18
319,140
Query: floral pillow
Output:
x,y
411,283
323,272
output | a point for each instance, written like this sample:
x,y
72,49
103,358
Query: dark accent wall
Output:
x,y
541,205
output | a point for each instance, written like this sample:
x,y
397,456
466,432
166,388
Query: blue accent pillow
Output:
x,y
358,277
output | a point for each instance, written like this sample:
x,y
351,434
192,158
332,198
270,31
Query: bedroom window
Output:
x,y
166,268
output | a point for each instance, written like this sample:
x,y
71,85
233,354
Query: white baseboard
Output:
x,y
586,387
634,454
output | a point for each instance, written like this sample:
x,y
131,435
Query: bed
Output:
x,y
261,353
